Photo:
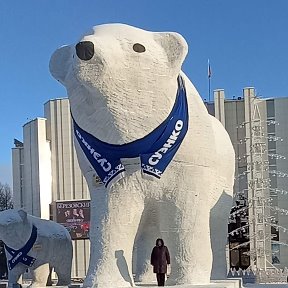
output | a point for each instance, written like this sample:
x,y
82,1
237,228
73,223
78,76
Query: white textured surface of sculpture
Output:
x,y
122,84
50,245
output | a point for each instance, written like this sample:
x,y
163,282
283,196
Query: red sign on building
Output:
x,y
74,216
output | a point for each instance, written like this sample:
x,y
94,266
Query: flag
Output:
x,y
209,69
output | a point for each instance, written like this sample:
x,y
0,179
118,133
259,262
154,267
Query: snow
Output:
x,y
224,284
270,285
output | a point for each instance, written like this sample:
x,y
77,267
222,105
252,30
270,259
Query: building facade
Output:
x,y
32,187
45,170
259,223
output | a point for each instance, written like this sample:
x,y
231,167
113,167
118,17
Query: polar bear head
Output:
x,y
14,226
121,80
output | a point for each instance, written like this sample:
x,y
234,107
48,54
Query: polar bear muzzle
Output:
x,y
85,50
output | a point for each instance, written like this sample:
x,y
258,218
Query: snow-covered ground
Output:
x,y
212,285
270,285
226,284
266,285
233,283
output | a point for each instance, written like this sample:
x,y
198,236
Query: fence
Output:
x,y
260,276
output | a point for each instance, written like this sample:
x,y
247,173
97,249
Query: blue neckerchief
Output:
x,y
21,254
156,150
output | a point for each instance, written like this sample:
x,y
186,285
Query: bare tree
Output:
x,y
5,203
5,197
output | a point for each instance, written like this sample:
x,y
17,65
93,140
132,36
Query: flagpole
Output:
x,y
209,88
209,81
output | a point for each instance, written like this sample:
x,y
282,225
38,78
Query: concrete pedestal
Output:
x,y
233,283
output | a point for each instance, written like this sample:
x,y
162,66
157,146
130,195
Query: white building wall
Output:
x,y
45,174
219,97
234,117
18,170
46,169
281,116
237,115
37,169
68,182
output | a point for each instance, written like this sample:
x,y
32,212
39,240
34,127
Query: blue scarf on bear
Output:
x,y
21,254
156,150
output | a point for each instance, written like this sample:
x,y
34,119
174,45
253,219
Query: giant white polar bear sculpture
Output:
x,y
122,84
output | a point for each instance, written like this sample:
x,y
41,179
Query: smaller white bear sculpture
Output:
x,y
37,244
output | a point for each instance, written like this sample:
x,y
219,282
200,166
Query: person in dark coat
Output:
x,y
160,258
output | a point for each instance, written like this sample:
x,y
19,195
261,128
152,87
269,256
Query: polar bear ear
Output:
x,y
60,63
175,46
22,214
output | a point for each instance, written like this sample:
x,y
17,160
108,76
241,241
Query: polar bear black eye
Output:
x,y
139,48
85,50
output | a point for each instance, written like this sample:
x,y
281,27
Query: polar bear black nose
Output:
x,y
85,50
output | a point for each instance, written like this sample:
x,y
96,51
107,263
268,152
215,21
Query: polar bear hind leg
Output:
x,y
40,276
185,221
64,278
63,271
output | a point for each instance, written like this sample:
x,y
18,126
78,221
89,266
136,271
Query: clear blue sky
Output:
x,y
246,42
